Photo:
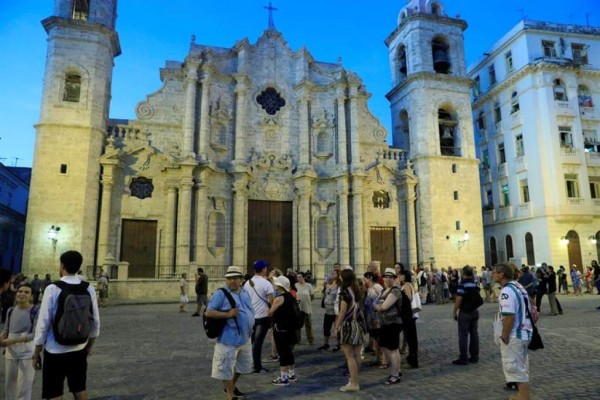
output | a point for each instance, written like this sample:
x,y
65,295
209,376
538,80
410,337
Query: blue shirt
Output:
x,y
234,335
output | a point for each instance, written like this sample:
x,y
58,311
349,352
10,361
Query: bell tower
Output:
x,y
64,193
432,121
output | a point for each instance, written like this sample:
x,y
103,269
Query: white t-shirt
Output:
x,y
512,302
183,286
303,294
260,295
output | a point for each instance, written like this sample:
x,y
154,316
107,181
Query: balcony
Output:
x,y
563,108
502,170
515,119
505,212
498,128
589,113
596,203
486,175
592,159
575,201
569,155
520,163
489,217
524,211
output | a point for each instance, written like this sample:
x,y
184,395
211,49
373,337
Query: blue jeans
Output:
x,y
467,325
261,327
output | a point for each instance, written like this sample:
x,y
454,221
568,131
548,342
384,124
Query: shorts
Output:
x,y
201,299
328,321
57,367
515,362
389,336
228,360
375,333
103,294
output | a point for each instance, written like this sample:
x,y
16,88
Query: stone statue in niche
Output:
x,y
381,199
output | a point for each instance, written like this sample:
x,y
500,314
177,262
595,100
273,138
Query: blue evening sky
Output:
x,y
153,31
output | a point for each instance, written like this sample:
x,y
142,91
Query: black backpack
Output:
x,y
213,327
298,316
74,316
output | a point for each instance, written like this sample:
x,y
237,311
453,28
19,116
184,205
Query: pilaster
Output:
x,y
343,219
189,121
240,220
204,117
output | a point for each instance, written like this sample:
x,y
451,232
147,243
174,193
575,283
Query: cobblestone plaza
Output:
x,y
153,352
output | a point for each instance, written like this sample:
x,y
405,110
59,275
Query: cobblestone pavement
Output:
x,y
153,352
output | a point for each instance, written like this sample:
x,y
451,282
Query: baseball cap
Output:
x,y
260,264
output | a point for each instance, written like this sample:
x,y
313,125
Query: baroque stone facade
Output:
x,y
252,151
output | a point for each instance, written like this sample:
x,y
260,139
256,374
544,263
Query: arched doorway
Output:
x,y
529,249
493,251
574,250
509,248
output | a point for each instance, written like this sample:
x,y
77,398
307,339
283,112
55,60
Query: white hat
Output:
x,y
233,272
347,268
389,272
283,282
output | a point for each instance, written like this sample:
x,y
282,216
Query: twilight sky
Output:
x,y
153,31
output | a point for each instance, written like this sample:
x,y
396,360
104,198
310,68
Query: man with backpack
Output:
x,y
233,352
468,300
422,282
68,324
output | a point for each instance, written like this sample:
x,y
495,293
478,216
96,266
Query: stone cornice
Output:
x,y
430,76
57,22
427,17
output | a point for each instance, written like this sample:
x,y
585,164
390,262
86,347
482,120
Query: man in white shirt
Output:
x,y
262,294
516,328
64,361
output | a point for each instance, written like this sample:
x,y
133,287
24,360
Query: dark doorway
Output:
x,y
383,246
138,247
574,250
270,233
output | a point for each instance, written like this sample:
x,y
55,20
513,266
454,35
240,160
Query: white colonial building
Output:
x,y
257,151
536,111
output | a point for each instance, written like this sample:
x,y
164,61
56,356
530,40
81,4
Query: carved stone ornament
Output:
x,y
270,187
381,199
323,121
141,187
144,110
379,134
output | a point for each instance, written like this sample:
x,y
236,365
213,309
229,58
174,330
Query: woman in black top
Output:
x,y
284,333
409,320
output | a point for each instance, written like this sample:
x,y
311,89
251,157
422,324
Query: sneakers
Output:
x,y
324,347
271,359
281,382
237,393
460,362
292,378
474,360
261,371
195,314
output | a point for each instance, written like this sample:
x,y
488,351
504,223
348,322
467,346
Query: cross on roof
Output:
x,y
271,9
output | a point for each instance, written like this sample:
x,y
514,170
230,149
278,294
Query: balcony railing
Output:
x,y
575,202
524,210
502,170
521,163
593,159
506,212
489,216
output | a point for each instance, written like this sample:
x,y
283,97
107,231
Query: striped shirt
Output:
x,y
513,300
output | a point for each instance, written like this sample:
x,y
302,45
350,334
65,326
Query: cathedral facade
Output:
x,y
257,151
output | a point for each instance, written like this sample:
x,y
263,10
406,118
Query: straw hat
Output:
x,y
234,272
282,282
389,272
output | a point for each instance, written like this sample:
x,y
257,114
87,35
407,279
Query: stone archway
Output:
x,y
574,249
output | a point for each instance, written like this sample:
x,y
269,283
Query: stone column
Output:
x,y
341,127
411,227
168,245
304,218
357,221
354,127
204,141
184,223
104,248
304,130
343,218
189,120
201,222
241,92
240,209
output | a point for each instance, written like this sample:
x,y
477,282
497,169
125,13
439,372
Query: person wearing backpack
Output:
x,y
17,339
68,325
468,300
233,352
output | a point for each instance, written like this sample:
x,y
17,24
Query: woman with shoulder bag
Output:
x,y
409,319
389,310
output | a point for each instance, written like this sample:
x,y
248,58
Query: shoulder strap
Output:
x,y
251,283
8,315
232,303
32,315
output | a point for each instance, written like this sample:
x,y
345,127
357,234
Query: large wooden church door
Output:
x,y
270,233
138,247
383,246
574,248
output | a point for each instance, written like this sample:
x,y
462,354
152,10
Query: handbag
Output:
x,y
536,342
415,302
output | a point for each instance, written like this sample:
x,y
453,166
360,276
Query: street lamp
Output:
x,y
564,241
593,239
53,234
464,240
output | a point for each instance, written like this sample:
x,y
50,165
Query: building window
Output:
x,y
505,195
63,168
566,138
441,59
524,185
519,147
493,251
579,53
509,61
529,249
514,103
402,61
492,74
501,153
560,93
509,247
497,112
481,121
81,9
457,225
591,141
456,195
447,134
141,187
489,205
72,90
270,101
595,187
584,96
485,155
477,86
454,168
572,186
549,48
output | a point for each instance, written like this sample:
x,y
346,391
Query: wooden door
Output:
x,y
138,247
574,250
270,233
383,246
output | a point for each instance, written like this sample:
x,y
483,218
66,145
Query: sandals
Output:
x,y
392,380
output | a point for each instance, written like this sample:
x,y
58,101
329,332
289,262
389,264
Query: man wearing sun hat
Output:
x,y
233,352
262,294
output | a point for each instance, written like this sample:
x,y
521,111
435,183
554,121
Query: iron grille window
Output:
x,y
270,101
141,187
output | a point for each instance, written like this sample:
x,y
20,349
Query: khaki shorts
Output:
x,y
515,362
230,359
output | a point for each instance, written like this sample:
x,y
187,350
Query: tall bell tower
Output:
x,y
64,193
432,122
